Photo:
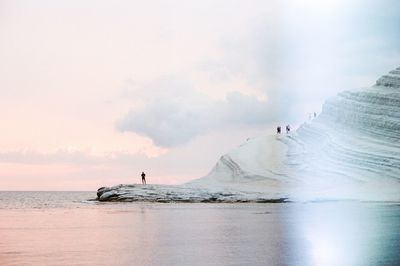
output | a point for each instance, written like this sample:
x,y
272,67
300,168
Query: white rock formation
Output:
x,y
350,151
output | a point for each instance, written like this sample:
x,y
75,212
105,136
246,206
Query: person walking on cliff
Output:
x,y
287,129
278,130
143,178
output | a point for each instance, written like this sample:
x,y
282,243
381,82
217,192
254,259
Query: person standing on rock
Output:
x,y
143,178
287,129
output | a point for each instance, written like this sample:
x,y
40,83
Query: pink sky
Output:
x,y
94,92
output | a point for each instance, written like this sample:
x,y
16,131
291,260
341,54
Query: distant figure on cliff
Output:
x,y
278,130
143,178
287,129
315,114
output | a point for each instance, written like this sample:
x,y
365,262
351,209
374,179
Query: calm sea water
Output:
x,y
63,228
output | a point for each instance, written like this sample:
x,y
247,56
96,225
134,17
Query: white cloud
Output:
x,y
174,113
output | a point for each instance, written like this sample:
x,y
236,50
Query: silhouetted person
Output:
x,y
143,178
278,130
315,114
287,129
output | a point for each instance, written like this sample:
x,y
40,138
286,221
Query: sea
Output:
x,y
70,228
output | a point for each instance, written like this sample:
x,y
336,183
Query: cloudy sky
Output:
x,y
94,92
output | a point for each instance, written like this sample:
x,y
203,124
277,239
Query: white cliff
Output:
x,y
350,151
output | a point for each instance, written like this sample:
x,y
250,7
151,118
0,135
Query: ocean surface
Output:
x,y
66,228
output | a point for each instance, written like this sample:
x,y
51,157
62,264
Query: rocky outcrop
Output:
x,y
165,193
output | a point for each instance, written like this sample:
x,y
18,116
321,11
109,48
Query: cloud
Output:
x,y
175,113
56,157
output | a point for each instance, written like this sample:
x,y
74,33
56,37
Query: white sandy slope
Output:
x,y
257,165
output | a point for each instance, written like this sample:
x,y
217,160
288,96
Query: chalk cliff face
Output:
x,y
350,151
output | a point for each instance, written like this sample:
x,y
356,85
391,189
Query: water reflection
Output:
x,y
346,233
202,234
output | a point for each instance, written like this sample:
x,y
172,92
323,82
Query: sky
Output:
x,y
92,93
